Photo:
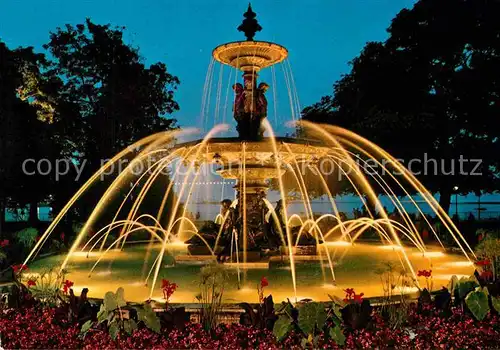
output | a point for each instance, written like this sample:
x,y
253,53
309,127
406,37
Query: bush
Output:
x,y
27,237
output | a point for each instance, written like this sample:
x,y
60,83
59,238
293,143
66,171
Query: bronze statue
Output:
x,y
228,226
262,101
239,100
249,93
250,108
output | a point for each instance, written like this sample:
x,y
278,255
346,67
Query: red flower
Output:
x,y
4,243
358,298
424,273
19,268
264,282
37,238
31,283
62,236
168,289
67,285
487,275
349,292
485,262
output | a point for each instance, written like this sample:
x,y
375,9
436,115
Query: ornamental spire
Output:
x,y
249,26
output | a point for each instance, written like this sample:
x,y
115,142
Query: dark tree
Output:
x,y
105,96
432,88
24,134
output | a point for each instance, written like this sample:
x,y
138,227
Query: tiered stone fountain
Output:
x,y
250,159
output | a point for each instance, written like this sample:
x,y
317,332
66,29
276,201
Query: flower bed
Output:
x,y
45,313
37,327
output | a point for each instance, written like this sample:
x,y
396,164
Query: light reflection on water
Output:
x,y
355,270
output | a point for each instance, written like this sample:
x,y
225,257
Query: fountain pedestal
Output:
x,y
251,187
251,165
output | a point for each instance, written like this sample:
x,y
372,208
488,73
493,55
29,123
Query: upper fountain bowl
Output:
x,y
250,56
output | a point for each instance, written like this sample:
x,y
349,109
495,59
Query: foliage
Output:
x,y
477,302
489,247
23,135
263,316
174,318
118,317
307,321
312,316
91,96
47,287
495,302
27,237
461,287
30,328
442,57
106,98
394,306
213,278
282,327
357,313
75,309
168,290
442,301
472,297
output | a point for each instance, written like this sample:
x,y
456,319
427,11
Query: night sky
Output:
x,y
322,36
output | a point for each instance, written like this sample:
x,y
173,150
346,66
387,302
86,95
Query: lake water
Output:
x,y
208,208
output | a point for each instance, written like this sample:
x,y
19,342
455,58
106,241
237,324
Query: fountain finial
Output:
x,y
250,25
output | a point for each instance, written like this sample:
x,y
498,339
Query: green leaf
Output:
x,y
129,326
495,301
311,315
453,283
102,315
148,316
113,330
337,320
337,301
281,327
110,302
86,326
483,289
120,297
336,311
111,316
477,302
465,286
337,335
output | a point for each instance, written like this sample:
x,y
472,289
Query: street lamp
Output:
x,y
455,189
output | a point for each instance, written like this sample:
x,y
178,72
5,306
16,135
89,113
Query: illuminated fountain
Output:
x,y
250,236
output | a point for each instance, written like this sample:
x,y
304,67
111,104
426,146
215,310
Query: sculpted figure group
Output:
x,y
250,108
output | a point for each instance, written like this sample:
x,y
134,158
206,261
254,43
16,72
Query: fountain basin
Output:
x,y
228,151
354,267
250,55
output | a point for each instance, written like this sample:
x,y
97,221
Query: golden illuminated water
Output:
x,y
168,226
354,266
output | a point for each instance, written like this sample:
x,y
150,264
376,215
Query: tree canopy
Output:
x,y
86,98
430,91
